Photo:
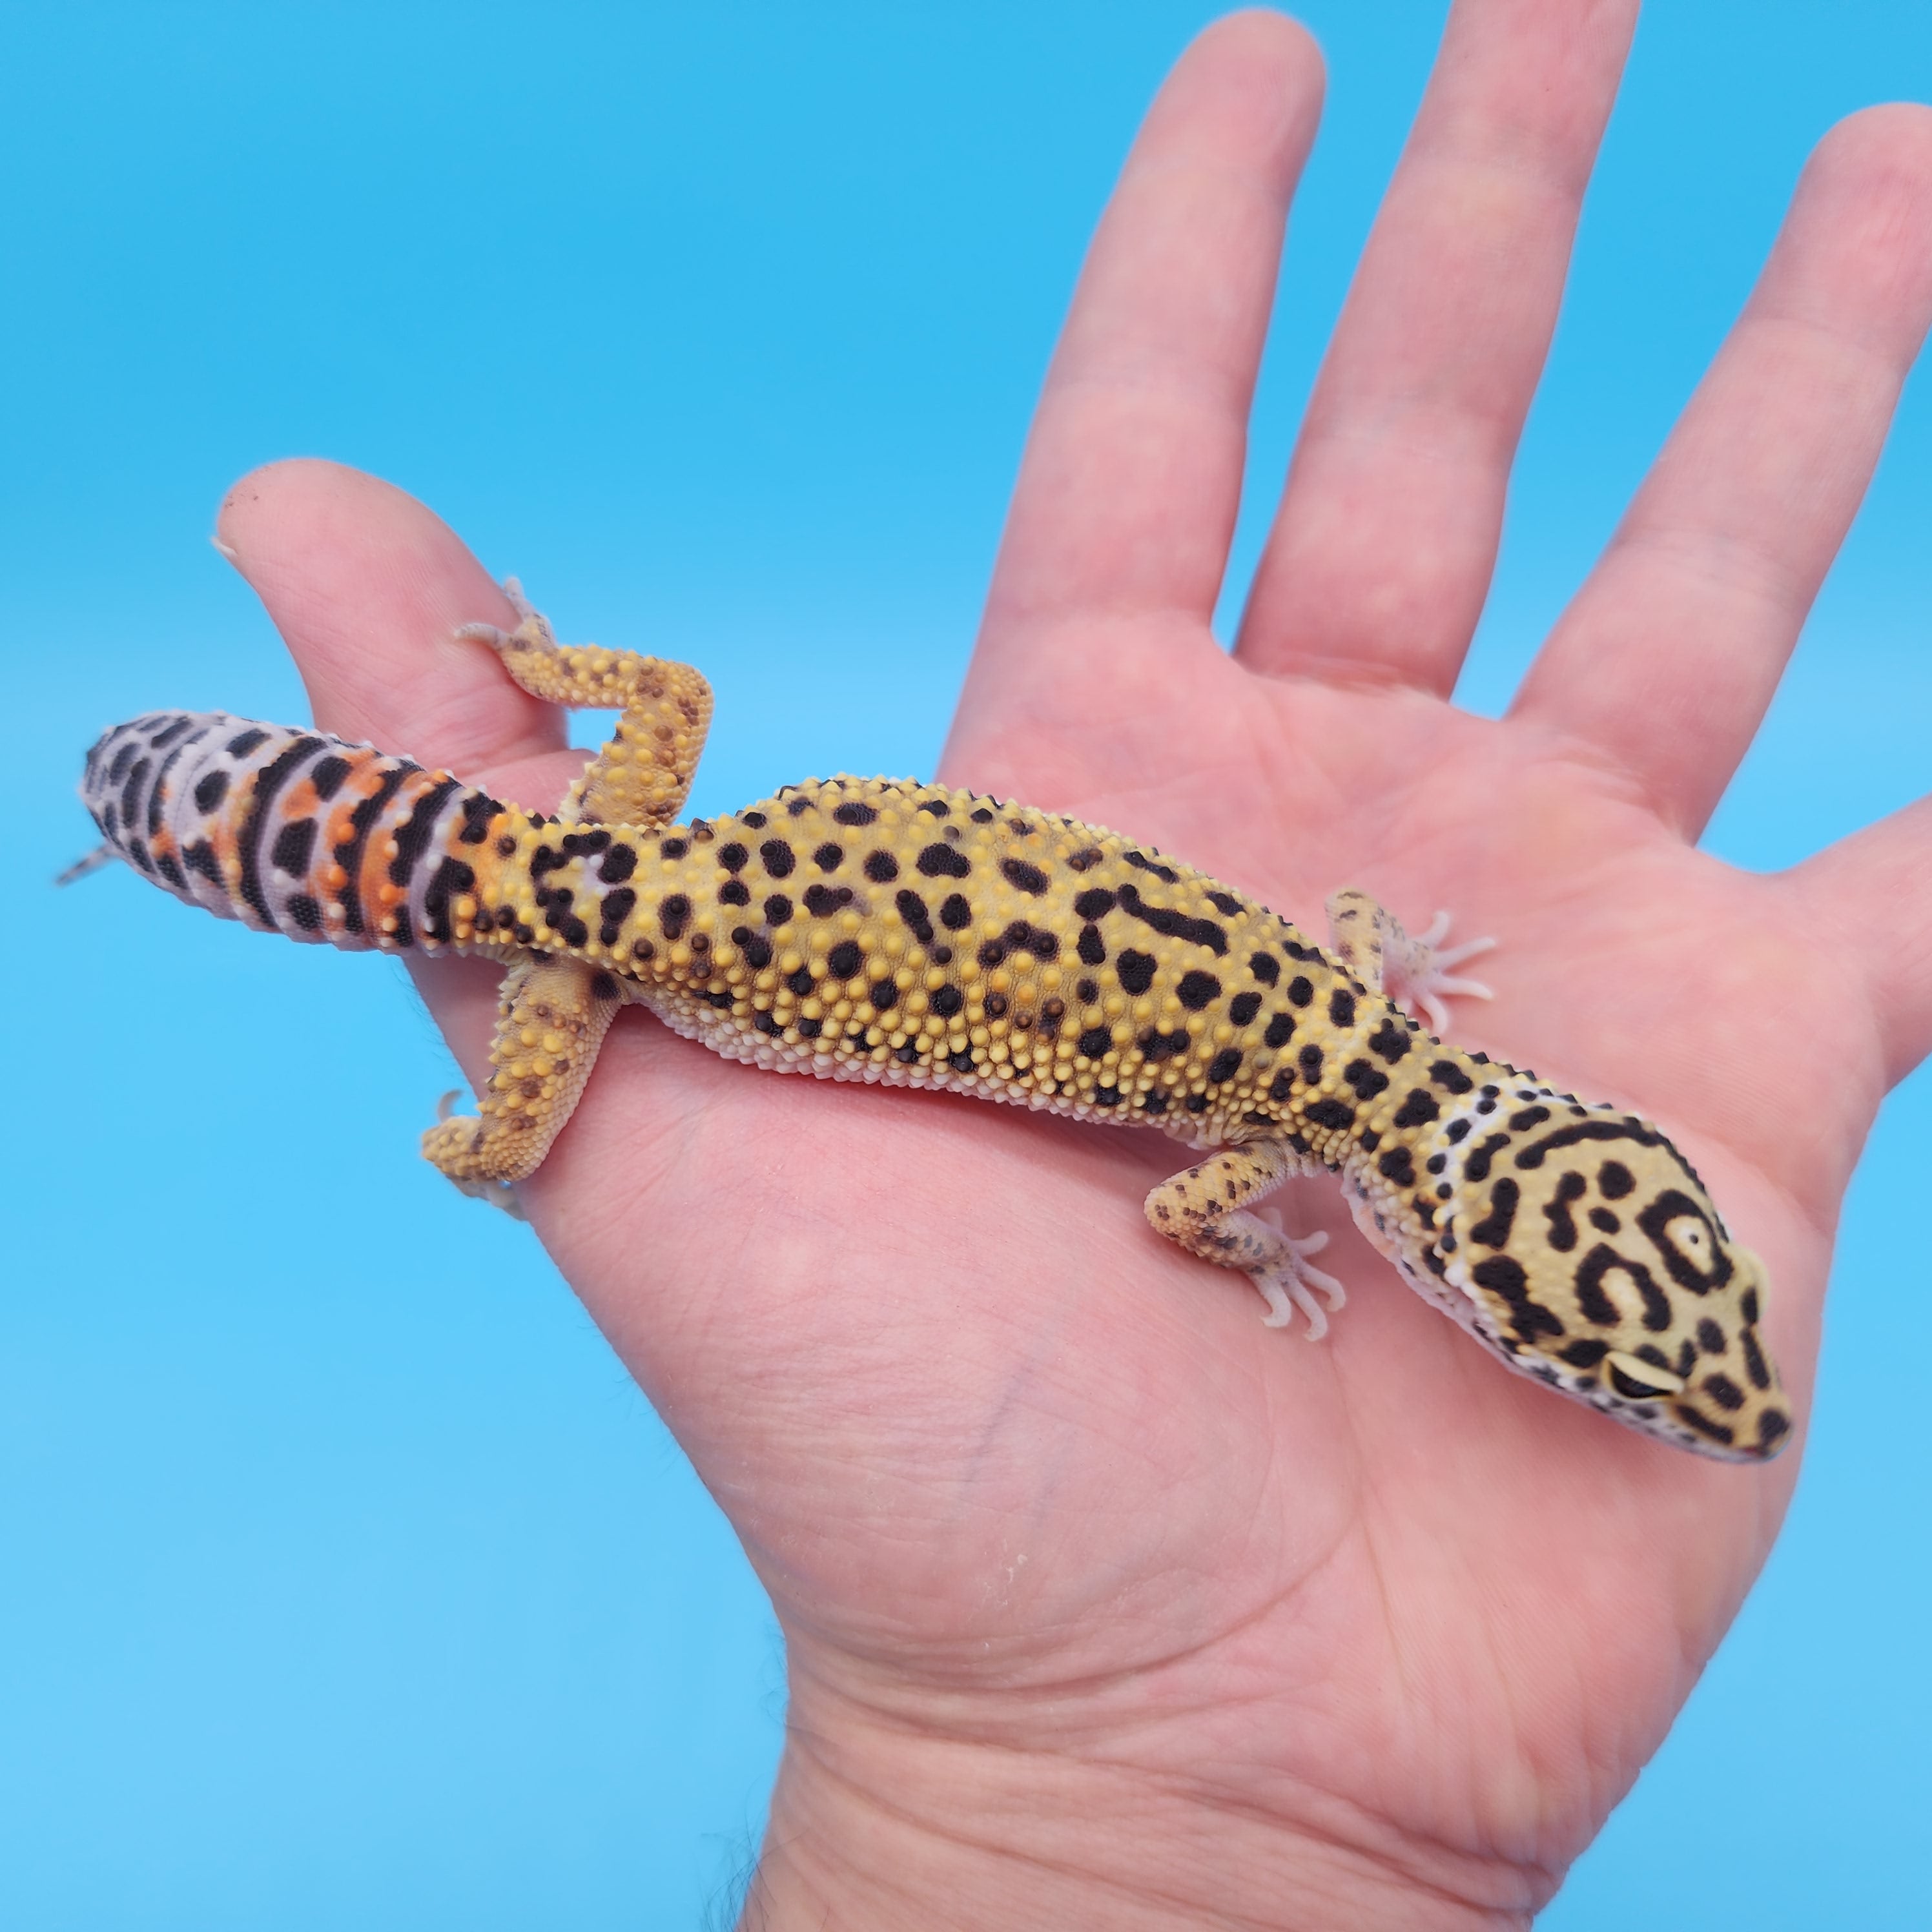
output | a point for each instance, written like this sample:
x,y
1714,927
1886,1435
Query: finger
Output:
x,y
1672,650
1383,547
1127,496
367,587
1871,895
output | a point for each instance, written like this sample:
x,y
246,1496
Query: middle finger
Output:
x,y
1383,547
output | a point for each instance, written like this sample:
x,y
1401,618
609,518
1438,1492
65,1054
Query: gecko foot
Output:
x,y
1419,976
1286,1286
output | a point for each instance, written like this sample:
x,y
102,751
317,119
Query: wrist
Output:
x,y
875,1826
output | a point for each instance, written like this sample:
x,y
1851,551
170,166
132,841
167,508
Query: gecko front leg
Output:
x,y
1209,1211
1413,969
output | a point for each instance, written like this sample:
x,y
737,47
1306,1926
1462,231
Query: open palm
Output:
x,y
1105,1604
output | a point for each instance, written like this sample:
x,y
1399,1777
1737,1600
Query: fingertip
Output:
x,y
1263,66
1891,136
368,587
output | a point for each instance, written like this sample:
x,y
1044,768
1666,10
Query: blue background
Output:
x,y
345,1579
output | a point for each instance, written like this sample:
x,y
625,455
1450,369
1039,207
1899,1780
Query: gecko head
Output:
x,y
1597,1264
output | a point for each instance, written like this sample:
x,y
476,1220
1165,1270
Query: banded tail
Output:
x,y
289,831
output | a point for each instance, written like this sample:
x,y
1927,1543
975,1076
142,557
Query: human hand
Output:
x,y
1102,1603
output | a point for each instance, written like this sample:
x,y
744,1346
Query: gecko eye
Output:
x,y
1640,1381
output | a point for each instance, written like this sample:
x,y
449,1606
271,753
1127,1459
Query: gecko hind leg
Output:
x,y
552,1014
1209,1210
1414,969
551,1018
643,774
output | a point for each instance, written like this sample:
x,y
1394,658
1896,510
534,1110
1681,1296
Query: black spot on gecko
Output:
x,y
1092,948
451,878
941,861
821,902
1342,1007
1418,1109
1493,1230
1602,1260
1389,1042
1562,1225
1243,1008
1094,1042
778,857
1330,1113
617,907
1614,1180
947,1001
1482,1156
881,867
1086,858
1094,903
1300,992
294,846
1172,923
855,811
1503,1275
1086,990
244,742
304,911
1135,970
327,774
1280,1029
1755,1365
1450,1078
1197,990
1024,878
1367,1081
955,914
732,857
209,792
1157,1046
1398,1164
734,893
777,909
1224,1065
674,914
1165,873
1723,1392
1266,967
828,857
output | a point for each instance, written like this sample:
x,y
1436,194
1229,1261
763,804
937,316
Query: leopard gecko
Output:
x,y
889,932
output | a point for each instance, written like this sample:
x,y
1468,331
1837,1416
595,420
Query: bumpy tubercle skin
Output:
x,y
885,931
